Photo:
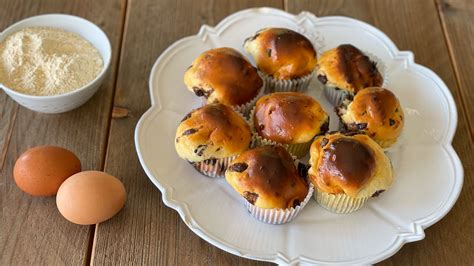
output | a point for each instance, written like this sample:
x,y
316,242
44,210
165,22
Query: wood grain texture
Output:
x,y
146,231
412,25
8,111
457,18
32,232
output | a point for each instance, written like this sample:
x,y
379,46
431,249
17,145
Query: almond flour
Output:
x,y
47,61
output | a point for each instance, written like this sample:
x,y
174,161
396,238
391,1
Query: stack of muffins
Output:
x,y
256,124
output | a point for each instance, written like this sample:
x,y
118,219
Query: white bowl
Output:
x,y
68,101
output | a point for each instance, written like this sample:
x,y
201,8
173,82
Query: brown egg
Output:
x,y
90,197
41,170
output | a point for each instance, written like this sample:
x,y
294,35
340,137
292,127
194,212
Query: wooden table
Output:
x,y
439,32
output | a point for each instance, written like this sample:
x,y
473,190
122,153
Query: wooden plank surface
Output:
x,y
412,25
32,232
457,17
146,231
8,111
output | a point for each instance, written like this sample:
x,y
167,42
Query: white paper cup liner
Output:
x,y
277,85
278,216
335,96
246,108
243,109
338,203
214,168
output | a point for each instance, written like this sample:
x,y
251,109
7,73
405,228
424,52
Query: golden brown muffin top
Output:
x,y
212,131
282,53
289,117
377,112
347,68
267,178
223,75
352,164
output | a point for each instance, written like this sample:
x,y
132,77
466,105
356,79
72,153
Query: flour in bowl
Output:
x,y
47,61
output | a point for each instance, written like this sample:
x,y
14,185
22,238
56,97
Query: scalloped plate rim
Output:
x,y
418,225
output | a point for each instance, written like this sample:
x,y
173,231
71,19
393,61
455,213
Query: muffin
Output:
x,y
224,76
269,181
210,137
292,119
347,170
285,58
375,111
345,70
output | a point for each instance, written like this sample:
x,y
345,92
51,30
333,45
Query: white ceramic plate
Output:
x,y
428,172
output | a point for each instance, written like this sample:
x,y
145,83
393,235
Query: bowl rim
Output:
x,y
105,67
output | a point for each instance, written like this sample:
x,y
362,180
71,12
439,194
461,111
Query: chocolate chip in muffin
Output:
x,y
353,133
200,149
391,122
324,142
324,127
190,131
251,197
251,38
302,170
186,117
373,67
361,126
349,97
269,52
296,203
238,167
323,79
201,92
377,193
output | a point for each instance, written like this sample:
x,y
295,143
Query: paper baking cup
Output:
x,y
279,85
338,203
336,96
214,168
246,108
243,109
278,216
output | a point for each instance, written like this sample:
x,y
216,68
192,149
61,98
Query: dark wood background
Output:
x,y
439,32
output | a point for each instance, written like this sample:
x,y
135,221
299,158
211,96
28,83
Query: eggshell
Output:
x,y
90,197
41,170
